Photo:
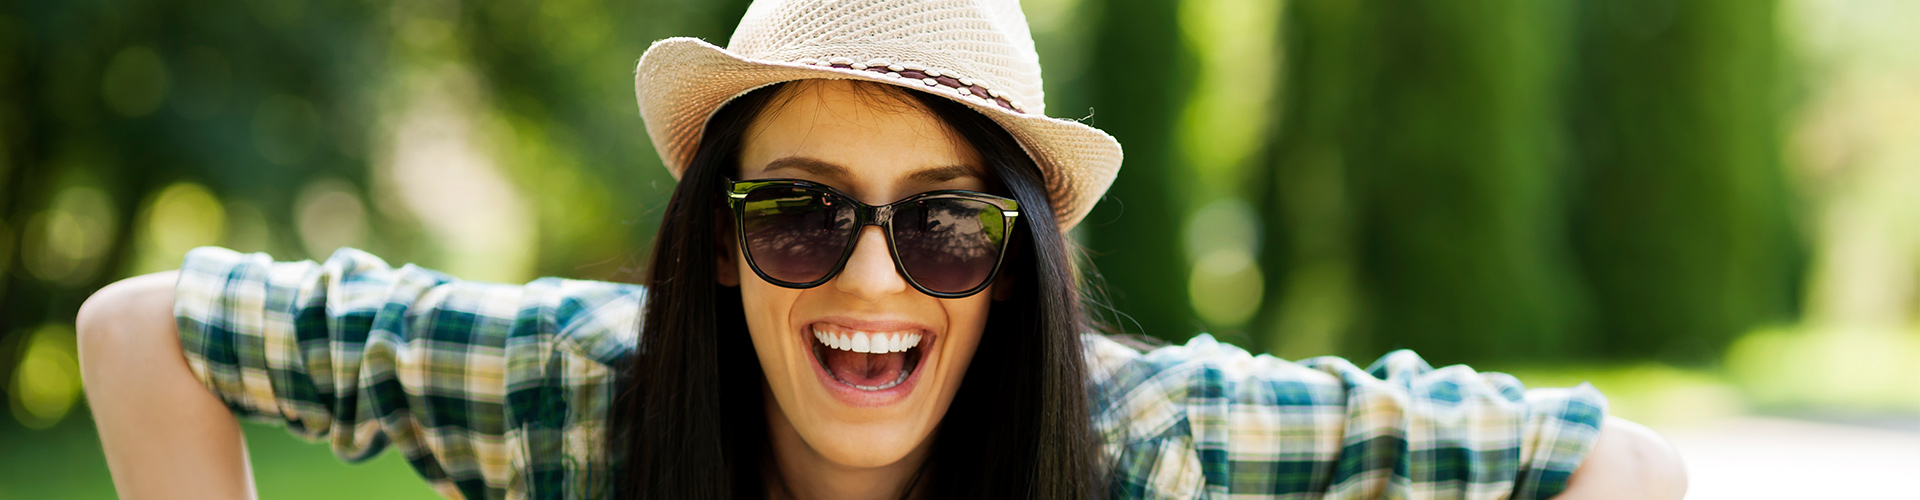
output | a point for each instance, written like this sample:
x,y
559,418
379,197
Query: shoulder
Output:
x,y
1118,367
1140,394
600,320
1172,418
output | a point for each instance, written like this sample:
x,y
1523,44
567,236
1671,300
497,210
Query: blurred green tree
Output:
x,y
127,98
132,130
1418,171
1681,217
1474,180
1138,76
1442,181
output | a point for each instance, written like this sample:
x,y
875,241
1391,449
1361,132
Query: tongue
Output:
x,y
859,368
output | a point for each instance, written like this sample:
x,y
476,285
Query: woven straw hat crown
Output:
x,y
977,52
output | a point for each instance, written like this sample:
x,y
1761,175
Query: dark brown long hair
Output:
x,y
690,421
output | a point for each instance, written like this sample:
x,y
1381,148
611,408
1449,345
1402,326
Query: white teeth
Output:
x,y
877,343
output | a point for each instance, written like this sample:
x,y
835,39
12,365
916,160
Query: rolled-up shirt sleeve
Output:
x,y
488,390
1210,419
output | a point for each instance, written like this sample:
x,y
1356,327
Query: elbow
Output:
x,y
95,328
1629,460
1658,463
124,322
98,324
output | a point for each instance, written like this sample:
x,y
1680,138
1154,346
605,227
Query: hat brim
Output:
x,y
681,82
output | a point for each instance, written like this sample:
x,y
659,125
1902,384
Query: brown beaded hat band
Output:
x,y
977,52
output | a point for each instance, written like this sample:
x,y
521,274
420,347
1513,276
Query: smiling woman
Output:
x,y
861,288
846,422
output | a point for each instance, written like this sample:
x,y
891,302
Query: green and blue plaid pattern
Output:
x,y
503,391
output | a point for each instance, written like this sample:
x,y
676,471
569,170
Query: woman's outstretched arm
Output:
x,y
166,435
1208,418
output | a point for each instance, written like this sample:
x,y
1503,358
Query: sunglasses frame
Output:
x,y
868,215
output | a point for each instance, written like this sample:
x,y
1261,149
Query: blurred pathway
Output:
x,y
1777,458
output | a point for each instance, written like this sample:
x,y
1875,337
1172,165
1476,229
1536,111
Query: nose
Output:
x,y
869,273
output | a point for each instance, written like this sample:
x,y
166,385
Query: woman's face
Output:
x,y
858,409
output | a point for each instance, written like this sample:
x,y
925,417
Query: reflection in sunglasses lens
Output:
x,y
948,245
794,234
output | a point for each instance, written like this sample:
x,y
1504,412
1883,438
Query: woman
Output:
x,y
861,289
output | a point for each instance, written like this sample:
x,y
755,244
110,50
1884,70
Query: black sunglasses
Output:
x,y
799,234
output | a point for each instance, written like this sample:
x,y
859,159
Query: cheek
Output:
x,y
767,308
967,322
761,301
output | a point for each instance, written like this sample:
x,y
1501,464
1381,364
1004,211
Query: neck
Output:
x,y
806,475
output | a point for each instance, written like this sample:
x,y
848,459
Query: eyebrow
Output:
x,y
825,168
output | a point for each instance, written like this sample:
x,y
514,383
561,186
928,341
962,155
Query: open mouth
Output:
x,y
868,361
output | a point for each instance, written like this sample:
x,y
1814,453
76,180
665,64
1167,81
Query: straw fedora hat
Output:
x,y
977,52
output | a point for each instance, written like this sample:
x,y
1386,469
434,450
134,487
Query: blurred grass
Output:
x,y
65,462
1654,394
1824,373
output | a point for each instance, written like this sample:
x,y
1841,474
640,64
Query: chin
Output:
x,y
865,405
870,445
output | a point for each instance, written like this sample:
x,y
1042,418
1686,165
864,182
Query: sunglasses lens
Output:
x,y
795,234
949,245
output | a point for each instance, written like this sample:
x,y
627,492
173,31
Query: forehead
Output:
x,y
859,137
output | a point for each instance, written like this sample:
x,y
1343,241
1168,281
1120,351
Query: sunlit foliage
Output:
x,y
1481,181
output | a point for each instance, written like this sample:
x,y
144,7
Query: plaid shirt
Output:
x,y
497,391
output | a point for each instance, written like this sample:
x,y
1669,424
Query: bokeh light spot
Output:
x,y
441,166
330,215
1226,287
46,381
183,216
1224,223
135,82
64,243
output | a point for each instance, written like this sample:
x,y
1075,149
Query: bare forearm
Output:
x,y
1628,461
166,436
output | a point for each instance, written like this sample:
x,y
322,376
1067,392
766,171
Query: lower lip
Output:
x,y
859,398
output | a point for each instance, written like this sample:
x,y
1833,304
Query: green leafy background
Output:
x,y
1706,208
